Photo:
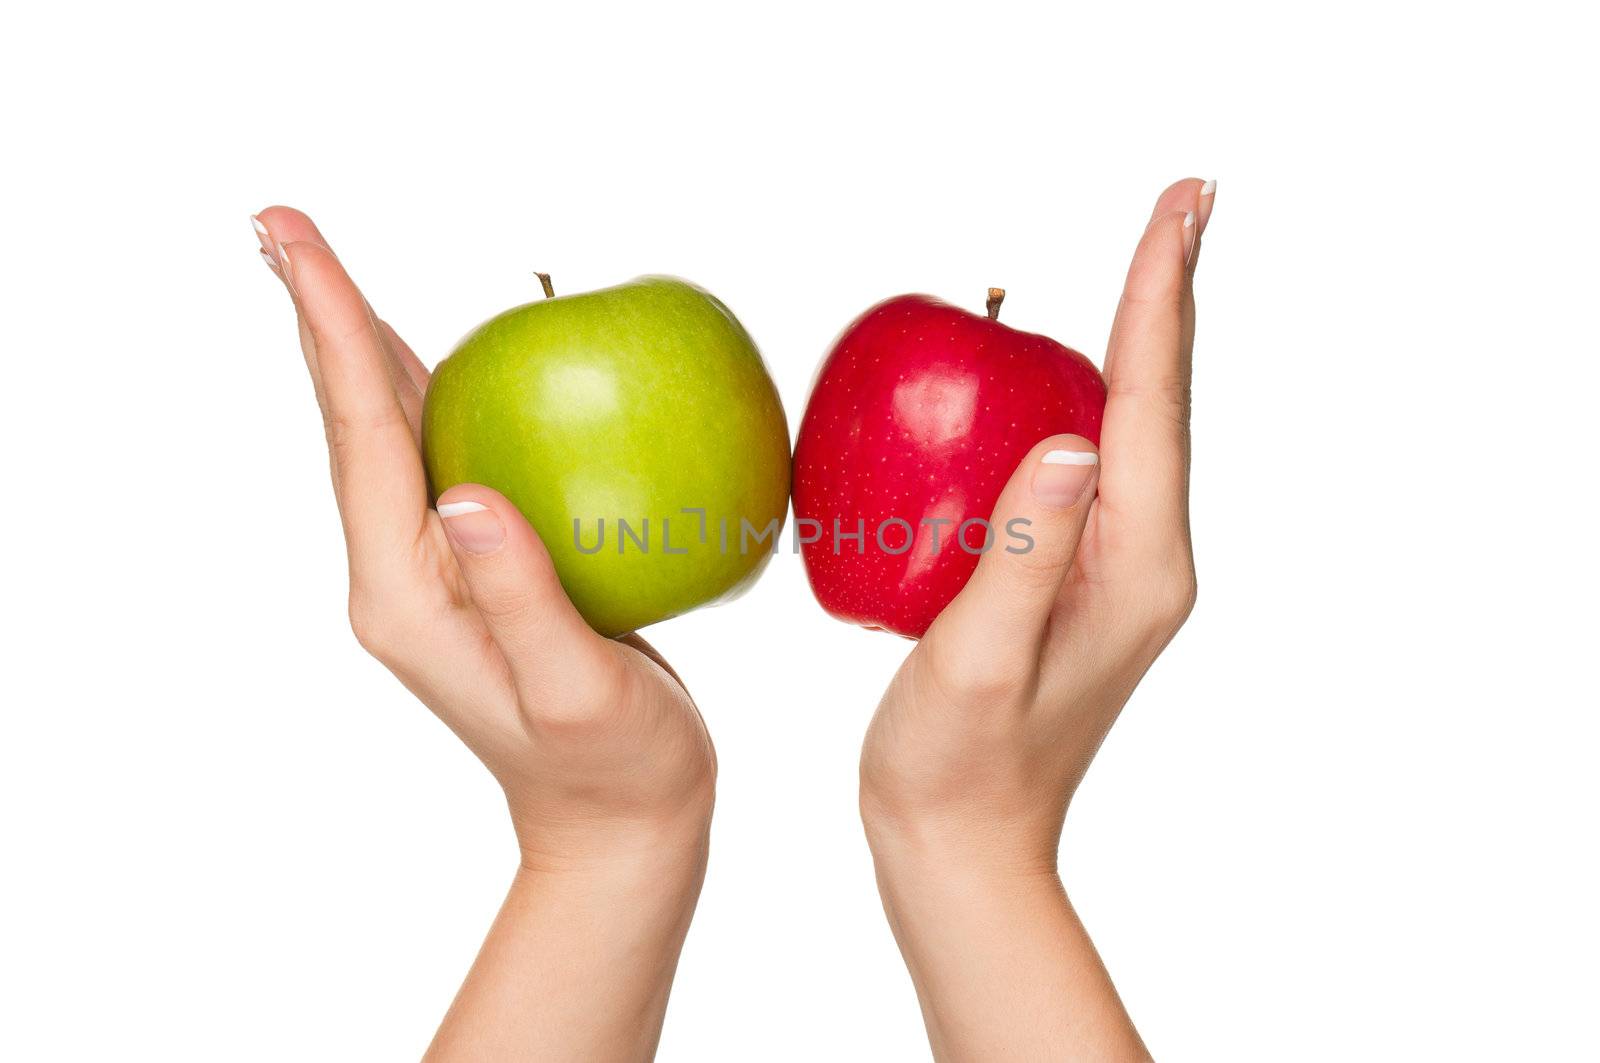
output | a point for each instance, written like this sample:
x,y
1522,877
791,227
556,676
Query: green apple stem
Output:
x,y
996,297
549,289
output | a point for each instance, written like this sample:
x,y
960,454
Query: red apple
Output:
x,y
919,416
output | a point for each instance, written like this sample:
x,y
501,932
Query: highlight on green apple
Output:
x,y
636,428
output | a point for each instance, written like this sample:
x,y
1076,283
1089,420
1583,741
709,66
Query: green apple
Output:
x,y
637,430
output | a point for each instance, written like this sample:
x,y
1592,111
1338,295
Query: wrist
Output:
x,y
913,868
971,840
623,891
599,848
640,884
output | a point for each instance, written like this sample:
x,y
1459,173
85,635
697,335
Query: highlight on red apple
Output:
x,y
919,415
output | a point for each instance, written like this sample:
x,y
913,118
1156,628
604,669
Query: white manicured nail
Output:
x,y
1063,476
1208,188
285,266
473,526
1188,220
266,240
271,262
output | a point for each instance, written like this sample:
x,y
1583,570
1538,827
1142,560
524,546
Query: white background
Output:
x,y
1349,815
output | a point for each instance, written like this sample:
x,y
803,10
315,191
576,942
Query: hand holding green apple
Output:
x,y
605,762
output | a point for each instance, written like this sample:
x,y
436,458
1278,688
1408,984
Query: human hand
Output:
x,y
606,764
985,733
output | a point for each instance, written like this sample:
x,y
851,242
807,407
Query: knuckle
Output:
x,y
342,433
1170,599
590,702
345,431
360,328
968,675
1188,595
578,720
1040,566
1169,395
388,616
515,606
372,625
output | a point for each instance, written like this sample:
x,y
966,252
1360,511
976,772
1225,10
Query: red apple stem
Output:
x,y
544,282
996,297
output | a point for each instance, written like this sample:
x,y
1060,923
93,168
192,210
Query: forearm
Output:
x,y
1003,968
577,966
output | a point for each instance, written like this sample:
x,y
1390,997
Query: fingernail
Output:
x,y
1188,237
1062,477
1208,193
472,526
285,266
271,262
263,235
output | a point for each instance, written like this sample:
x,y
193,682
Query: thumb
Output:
x,y
516,590
1037,524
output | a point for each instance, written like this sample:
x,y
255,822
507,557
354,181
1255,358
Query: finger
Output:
x,y
1208,199
278,226
1145,432
1179,197
553,654
270,255
378,473
414,369
1004,610
406,386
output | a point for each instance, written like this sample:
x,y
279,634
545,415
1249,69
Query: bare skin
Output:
x,y
607,767
984,735
969,765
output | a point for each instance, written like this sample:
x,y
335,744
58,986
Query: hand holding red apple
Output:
x,y
986,731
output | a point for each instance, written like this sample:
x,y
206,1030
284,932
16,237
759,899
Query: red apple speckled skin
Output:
x,y
921,412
